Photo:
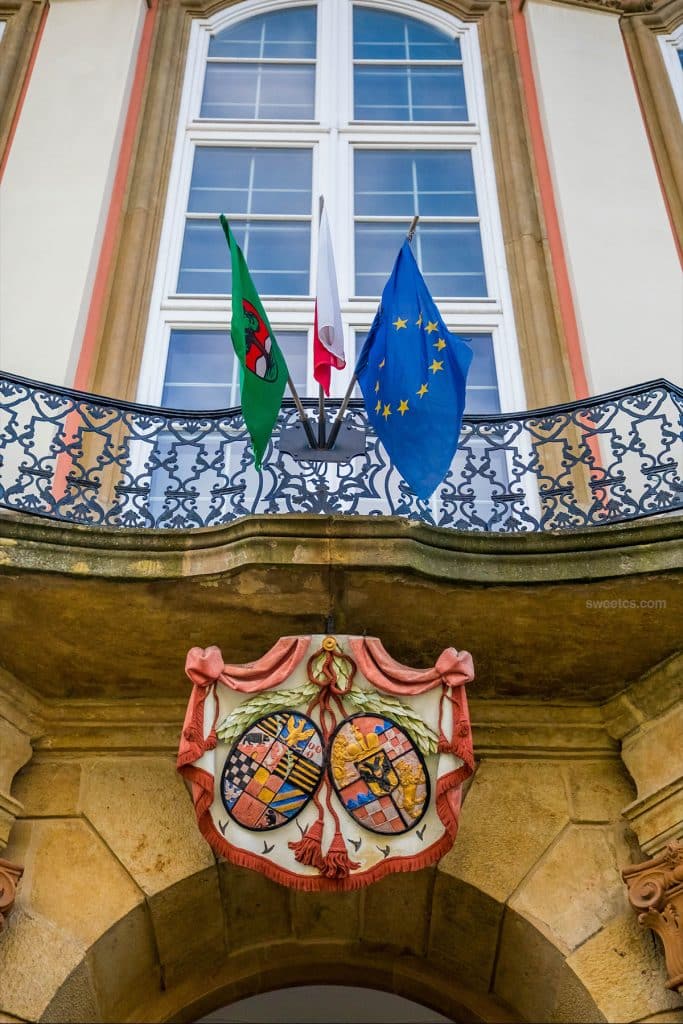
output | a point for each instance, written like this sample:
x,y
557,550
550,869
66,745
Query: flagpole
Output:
x,y
322,423
342,409
302,413
336,426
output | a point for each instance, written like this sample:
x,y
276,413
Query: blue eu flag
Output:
x,y
412,373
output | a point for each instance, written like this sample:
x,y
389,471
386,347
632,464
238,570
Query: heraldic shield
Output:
x,y
326,764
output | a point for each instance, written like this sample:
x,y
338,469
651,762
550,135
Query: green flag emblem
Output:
x,y
263,373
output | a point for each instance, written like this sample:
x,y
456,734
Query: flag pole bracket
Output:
x,y
350,442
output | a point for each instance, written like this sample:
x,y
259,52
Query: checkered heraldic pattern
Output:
x,y
276,766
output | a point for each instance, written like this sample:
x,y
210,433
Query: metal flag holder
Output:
x,y
344,441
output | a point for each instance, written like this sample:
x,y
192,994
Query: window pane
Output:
x,y
398,184
243,181
378,35
259,91
239,182
294,346
450,257
277,252
409,93
202,371
482,380
283,35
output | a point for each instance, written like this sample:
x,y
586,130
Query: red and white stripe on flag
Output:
x,y
328,337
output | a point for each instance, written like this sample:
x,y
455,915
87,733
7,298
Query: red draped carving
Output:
x,y
453,668
205,667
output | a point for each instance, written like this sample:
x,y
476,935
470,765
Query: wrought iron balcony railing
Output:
x,y
82,458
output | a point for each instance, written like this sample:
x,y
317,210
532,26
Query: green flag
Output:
x,y
263,370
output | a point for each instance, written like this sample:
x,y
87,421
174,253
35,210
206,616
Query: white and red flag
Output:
x,y
328,337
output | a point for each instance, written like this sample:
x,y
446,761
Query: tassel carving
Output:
x,y
308,849
337,862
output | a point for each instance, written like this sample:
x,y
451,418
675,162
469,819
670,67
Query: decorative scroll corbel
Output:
x,y
655,891
9,879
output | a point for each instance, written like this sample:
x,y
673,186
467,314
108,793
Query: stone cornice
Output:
x,y
618,7
466,10
502,729
656,819
659,17
33,544
655,891
652,695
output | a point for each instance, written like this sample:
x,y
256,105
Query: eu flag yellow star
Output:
x,y
377,386
417,412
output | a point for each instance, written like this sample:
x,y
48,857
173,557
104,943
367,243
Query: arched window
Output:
x,y
381,108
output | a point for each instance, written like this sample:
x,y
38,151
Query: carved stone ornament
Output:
x,y
655,891
9,879
613,6
326,764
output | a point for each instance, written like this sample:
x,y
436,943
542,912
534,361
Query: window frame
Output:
x,y
671,46
169,310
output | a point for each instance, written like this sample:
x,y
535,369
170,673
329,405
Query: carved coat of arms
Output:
x,y
326,764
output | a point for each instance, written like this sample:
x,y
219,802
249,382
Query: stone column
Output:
x,y
648,720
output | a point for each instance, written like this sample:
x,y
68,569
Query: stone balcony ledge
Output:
x,y
543,614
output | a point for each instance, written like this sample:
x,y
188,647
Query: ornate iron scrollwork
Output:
x,y
82,458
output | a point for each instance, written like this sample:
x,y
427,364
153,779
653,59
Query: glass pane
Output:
x,y
283,35
401,184
450,258
294,346
200,368
259,91
202,371
409,93
277,252
482,380
204,260
680,57
378,35
249,180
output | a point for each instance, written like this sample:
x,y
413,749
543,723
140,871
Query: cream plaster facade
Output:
x,y
54,197
624,268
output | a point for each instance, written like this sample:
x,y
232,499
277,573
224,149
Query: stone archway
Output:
x,y
119,979
123,912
